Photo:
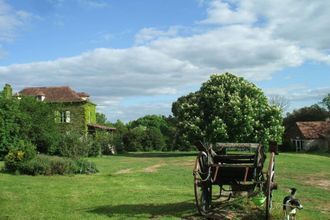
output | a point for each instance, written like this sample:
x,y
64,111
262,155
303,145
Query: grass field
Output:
x,y
151,185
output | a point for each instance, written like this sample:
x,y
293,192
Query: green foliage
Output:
x,y
153,139
155,121
99,143
133,139
162,130
74,145
12,124
7,91
227,109
83,166
77,145
19,153
101,119
118,136
311,113
52,165
40,165
89,115
26,119
40,127
144,139
105,141
326,101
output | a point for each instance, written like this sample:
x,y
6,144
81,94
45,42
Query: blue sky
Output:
x,y
135,57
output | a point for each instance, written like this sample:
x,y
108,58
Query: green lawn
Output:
x,y
153,185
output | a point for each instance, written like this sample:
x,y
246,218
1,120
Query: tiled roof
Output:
x,y
101,127
54,94
82,94
314,129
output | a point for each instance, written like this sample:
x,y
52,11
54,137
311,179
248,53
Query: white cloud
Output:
x,y
224,13
299,92
253,39
146,35
304,22
10,21
93,3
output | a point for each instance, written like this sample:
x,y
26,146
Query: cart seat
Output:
x,y
228,174
234,159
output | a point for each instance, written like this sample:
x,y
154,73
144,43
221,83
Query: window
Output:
x,y
62,117
67,117
298,143
40,97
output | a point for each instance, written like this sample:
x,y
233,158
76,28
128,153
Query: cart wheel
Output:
x,y
202,184
270,184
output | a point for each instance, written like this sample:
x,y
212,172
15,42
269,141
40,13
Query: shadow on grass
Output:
x,y
158,154
182,210
177,210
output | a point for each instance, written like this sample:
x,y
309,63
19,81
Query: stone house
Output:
x,y
72,110
310,135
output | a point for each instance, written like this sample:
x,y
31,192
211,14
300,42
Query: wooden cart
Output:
x,y
234,167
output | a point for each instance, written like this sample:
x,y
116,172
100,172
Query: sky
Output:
x,y
136,57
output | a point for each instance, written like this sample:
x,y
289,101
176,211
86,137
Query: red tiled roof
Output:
x,y
101,127
54,94
82,94
314,129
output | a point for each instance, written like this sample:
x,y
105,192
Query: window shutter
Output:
x,y
57,116
67,117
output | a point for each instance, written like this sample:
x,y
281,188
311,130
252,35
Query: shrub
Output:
x,y
19,153
40,165
104,142
74,145
83,166
53,165
95,147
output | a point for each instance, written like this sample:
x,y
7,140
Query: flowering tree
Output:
x,y
228,109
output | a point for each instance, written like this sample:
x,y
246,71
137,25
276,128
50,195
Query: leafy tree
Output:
x,y
326,101
227,109
40,127
12,122
164,125
279,101
118,136
7,91
133,139
153,139
101,119
311,113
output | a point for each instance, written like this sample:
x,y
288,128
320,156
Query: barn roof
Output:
x,y
314,129
55,94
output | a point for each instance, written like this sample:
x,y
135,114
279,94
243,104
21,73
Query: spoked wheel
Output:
x,y
270,185
202,184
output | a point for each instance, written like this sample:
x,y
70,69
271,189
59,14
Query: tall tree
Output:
x,y
12,121
228,108
279,101
40,127
7,91
311,113
326,101
101,119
